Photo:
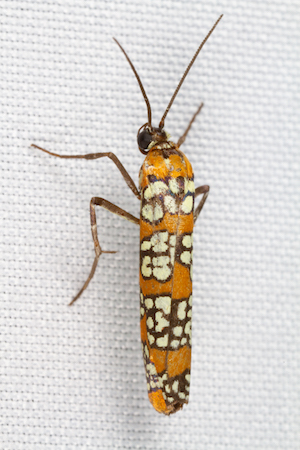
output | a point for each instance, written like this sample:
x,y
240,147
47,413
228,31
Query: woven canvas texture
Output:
x,y
73,377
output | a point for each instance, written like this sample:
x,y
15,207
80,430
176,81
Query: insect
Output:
x,y
166,192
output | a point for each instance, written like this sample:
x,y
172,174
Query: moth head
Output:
x,y
148,136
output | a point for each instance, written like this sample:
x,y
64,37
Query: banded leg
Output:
x,y
183,137
109,155
200,190
98,250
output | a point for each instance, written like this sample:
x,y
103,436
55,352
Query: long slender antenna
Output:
x,y
139,81
162,122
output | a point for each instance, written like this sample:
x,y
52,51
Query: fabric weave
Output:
x,y
74,377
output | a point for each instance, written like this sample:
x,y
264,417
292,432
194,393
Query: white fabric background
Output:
x,y
74,377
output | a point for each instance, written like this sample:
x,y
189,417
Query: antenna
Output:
x,y
139,81
162,122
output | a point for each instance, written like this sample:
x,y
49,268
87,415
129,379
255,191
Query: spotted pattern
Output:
x,y
159,251
154,382
166,252
174,389
158,255
172,195
162,311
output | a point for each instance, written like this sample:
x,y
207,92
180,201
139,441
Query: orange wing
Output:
x,y
167,205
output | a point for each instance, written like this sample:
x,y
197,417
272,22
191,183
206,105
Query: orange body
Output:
x,y
166,227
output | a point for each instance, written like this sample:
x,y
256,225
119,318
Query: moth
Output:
x,y
167,195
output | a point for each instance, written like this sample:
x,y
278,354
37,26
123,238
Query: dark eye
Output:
x,y
144,139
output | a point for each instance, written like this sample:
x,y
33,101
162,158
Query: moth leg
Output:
x,y
97,201
109,155
183,137
200,190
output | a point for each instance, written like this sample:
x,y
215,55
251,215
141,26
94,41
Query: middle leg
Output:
x,y
97,201
200,190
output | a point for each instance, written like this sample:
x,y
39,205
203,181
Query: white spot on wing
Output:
x,y
181,310
162,341
172,255
187,329
147,212
158,187
146,271
187,241
163,303
170,204
158,241
186,185
187,205
175,386
175,344
151,369
148,303
146,245
150,338
186,257
150,323
161,270
161,274
147,193
173,184
161,322
161,261
191,186
173,240
160,382
158,212
177,331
